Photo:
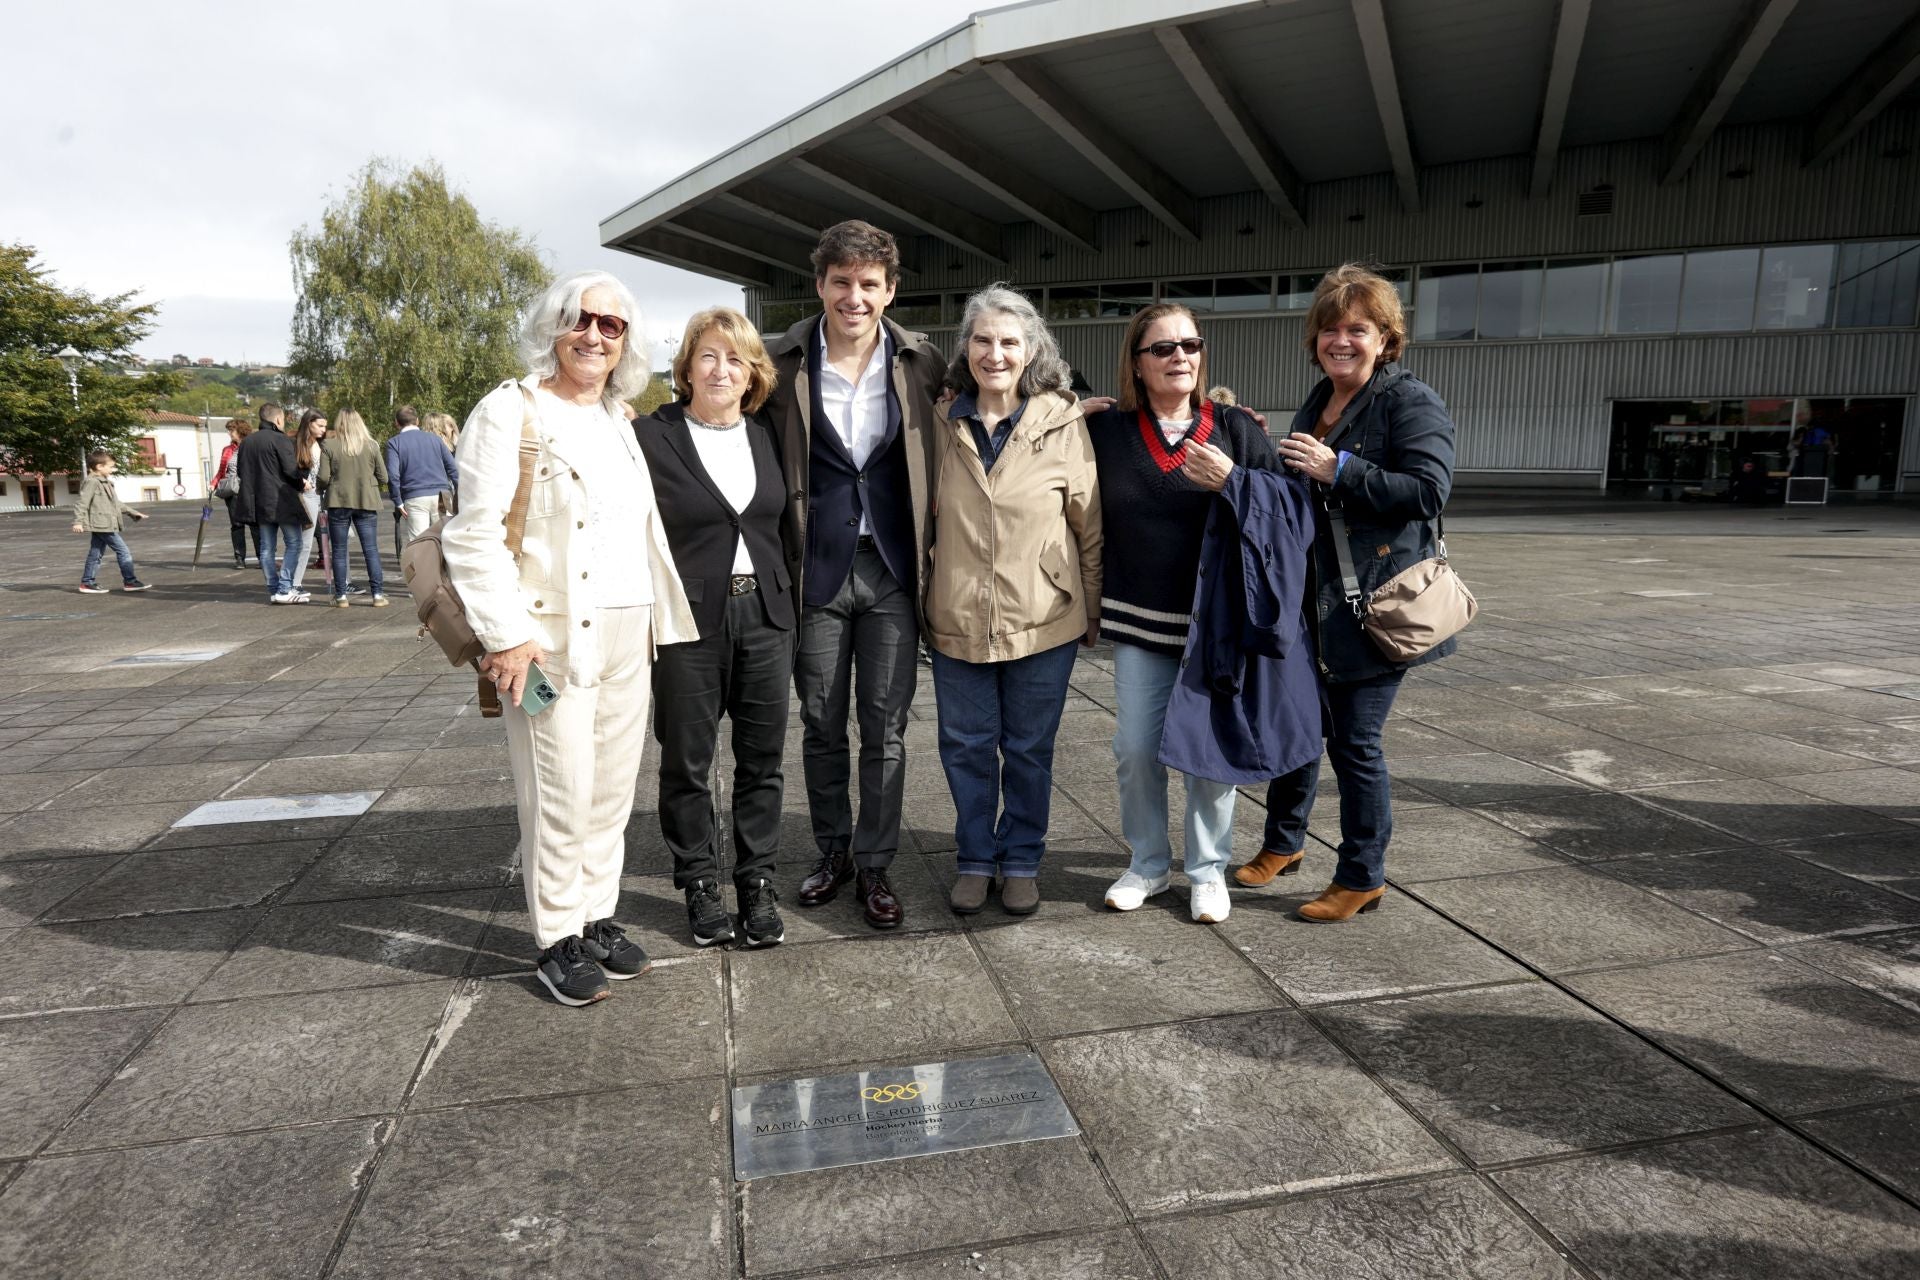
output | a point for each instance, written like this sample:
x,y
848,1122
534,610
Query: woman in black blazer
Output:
x,y
720,485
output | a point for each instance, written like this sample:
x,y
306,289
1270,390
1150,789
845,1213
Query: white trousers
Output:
x,y
420,513
575,766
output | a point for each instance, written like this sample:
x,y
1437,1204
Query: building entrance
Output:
x,y
1746,449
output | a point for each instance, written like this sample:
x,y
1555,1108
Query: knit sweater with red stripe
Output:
x,y
1155,519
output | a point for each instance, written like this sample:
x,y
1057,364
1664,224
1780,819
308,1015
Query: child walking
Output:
x,y
97,511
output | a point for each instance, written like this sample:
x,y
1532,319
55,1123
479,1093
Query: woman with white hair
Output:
x,y
588,594
1014,587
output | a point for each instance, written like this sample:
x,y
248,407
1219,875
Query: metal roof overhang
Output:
x,y
1055,111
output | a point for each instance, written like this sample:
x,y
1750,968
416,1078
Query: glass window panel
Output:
x,y
1243,293
1449,298
778,317
915,308
1124,299
1510,300
1072,302
1573,298
1733,413
1795,287
1877,284
1717,296
1401,278
1769,413
1296,291
1194,295
1646,293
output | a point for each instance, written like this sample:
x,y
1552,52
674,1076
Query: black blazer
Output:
x,y
269,480
701,526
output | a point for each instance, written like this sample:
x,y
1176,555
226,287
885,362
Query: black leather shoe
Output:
x,y
824,881
877,900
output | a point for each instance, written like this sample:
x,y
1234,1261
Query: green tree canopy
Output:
x,y
406,297
40,430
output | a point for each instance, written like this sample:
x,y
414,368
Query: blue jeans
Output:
x,y
997,723
1142,682
279,576
1358,712
365,524
97,547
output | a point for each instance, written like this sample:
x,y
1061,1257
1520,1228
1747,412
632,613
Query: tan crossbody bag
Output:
x,y
424,564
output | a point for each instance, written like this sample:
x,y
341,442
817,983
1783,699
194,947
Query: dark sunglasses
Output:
x,y
1164,350
610,326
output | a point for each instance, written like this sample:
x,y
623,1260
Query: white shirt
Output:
x,y
857,412
616,510
1175,429
728,457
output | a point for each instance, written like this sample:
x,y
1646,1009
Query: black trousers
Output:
x,y
239,531
743,671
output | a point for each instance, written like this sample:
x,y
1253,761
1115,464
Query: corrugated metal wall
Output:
x,y
1520,406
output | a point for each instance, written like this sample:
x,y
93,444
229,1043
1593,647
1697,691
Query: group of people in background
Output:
x,y
800,520
277,489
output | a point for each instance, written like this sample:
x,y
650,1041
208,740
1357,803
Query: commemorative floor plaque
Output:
x,y
822,1122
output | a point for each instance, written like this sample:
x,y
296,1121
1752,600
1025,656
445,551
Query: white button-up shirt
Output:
x,y
857,412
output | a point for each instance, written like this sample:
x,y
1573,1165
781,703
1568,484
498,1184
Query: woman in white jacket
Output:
x,y
592,593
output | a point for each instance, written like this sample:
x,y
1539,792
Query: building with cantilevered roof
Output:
x,y
1643,241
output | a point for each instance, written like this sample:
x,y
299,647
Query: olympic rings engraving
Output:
x,y
892,1093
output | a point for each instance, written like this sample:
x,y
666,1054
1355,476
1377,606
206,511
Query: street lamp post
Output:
x,y
71,359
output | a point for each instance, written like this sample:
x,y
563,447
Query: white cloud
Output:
x,y
202,134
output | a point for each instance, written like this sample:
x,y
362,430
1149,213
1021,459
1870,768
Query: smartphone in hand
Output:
x,y
538,693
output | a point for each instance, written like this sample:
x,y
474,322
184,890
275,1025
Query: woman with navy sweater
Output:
x,y
1145,448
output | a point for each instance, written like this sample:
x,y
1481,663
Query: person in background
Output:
x,y
443,426
269,500
718,478
1377,443
350,475
97,511
419,469
592,595
854,406
1144,446
238,429
1013,591
306,456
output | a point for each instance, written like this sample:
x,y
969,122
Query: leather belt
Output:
x,y
743,584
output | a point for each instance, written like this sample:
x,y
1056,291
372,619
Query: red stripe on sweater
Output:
x,y
1157,448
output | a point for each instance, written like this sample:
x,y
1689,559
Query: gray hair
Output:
x,y
1045,371
555,312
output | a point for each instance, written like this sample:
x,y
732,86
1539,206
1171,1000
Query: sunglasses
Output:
x,y
611,327
1164,350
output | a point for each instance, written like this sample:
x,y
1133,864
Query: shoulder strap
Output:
x,y
1349,577
516,521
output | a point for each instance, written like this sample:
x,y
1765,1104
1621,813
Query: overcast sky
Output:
x,y
173,149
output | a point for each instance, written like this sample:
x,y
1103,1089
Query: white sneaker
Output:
x,y
285,597
1209,901
1130,890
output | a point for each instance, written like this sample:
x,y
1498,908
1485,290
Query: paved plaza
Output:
x,y
1642,1001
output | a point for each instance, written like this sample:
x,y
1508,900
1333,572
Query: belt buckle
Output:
x,y
742,584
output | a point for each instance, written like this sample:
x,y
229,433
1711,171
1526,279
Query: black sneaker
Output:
x,y
759,919
707,914
566,970
608,943
135,585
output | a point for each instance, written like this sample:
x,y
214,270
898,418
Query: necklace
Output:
x,y
714,426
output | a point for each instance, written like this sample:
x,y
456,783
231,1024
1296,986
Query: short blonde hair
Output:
x,y
442,425
1353,290
1132,396
745,341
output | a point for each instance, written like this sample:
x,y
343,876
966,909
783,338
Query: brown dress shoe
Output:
x,y
1341,904
824,881
1266,865
877,900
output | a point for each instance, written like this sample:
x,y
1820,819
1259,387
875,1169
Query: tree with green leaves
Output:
x,y
406,297
41,430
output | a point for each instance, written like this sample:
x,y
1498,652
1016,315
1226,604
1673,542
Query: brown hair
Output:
x,y
241,427
739,331
97,457
405,416
856,243
271,412
304,441
1132,395
1351,289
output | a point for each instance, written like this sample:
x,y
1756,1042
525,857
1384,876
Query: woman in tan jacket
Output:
x,y
1013,588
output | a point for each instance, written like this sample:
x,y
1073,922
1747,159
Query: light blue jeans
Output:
x,y
279,576
1143,681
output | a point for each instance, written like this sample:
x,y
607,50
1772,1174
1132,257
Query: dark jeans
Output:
x,y
366,525
860,648
1358,712
740,671
97,546
238,530
997,723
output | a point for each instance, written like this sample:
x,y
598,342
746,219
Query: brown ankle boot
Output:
x,y
1266,865
1341,904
